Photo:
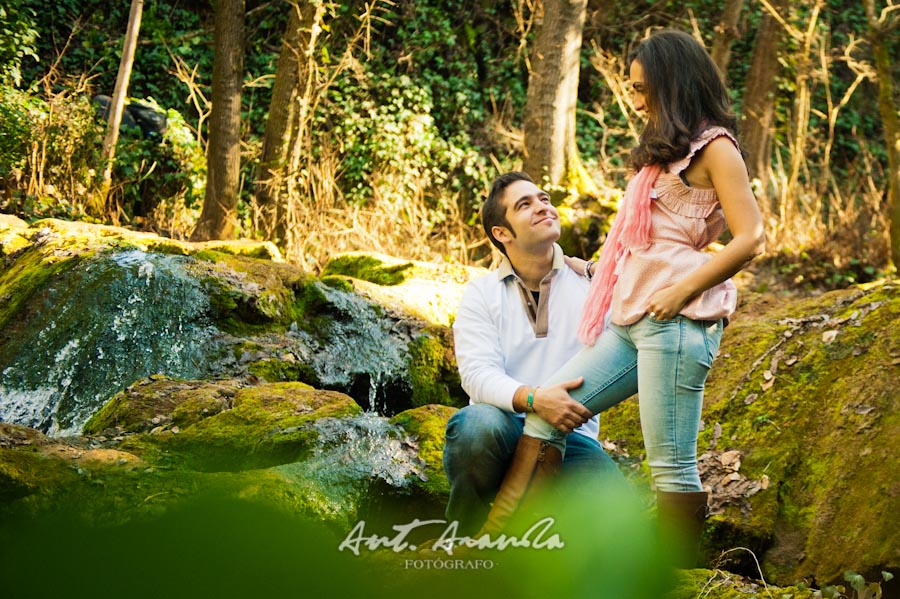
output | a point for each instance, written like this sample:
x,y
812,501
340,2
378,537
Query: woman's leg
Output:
x,y
674,360
674,357
609,371
609,368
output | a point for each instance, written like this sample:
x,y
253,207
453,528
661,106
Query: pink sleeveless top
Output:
x,y
685,220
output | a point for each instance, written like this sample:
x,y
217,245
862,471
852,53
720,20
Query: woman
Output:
x,y
666,299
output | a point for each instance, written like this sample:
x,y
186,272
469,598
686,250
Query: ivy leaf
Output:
x,y
856,580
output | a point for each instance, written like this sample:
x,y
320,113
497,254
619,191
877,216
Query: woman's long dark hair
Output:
x,y
685,93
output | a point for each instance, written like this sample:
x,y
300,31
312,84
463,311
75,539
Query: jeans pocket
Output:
x,y
712,335
662,322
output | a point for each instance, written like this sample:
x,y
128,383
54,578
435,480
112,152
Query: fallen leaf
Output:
x,y
791,360
751,398
767,375
728,458
829,336
767,385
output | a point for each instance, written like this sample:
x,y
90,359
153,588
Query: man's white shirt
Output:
x,y
497,348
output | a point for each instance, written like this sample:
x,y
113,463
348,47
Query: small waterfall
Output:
x,y
358,350
96,329
350,454
125,315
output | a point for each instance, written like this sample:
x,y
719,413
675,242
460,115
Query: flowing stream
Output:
x,y
122,316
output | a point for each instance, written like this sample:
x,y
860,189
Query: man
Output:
x,y
513,329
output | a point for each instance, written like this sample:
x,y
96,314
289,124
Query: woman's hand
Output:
x,y
666,303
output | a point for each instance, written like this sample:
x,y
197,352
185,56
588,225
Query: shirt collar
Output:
x,y
506,269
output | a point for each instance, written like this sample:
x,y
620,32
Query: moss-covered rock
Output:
x,y
432,369
426,291
428,425
85,310
804,392
284,445
284,369
107,487
264,428
158,401
212,426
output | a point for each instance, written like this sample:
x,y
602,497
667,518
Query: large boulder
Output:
x,y
86,310
163,441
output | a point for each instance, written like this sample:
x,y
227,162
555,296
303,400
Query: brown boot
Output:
x,y
534,461
683,514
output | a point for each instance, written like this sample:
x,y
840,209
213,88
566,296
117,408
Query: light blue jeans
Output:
x,y
666,362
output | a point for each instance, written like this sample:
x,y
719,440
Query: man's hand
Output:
x,y
556,406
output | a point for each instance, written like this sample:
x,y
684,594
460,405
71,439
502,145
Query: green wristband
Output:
x,y
529,404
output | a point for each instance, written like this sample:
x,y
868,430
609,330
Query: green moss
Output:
x,y
264,428
338,282
247,295
259,250
275,371
168,246
367,267
28,274
25,472
717,584
310,308
428,424
432,369
157,400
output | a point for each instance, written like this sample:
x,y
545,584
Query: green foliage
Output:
x,y
17,38
52,145
15,130
165,176
390,144
861,588
95,30
55,142
430,107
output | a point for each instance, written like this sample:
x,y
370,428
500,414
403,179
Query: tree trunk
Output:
x,y
117,105
758,111
551,154
881,30
219,217
726,32
270,183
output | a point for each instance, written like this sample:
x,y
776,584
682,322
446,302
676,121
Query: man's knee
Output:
x,y
481,428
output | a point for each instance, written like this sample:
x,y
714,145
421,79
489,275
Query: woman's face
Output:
x,y
637,86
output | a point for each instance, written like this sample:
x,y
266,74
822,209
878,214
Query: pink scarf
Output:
x,y
631,229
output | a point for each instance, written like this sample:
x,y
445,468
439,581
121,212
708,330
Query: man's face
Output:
x,y
533,218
